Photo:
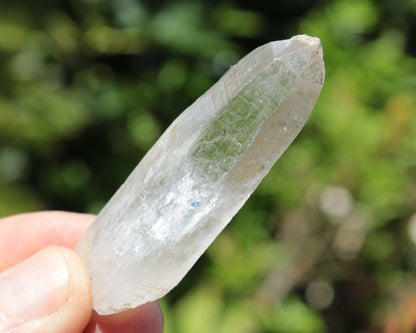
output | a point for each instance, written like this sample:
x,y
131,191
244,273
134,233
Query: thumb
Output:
x,y
49,292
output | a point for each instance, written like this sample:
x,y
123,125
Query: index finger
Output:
x,y
23,235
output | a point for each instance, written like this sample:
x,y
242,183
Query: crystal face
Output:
x,y
199,174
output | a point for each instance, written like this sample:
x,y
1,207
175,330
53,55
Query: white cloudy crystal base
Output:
x,y
199,174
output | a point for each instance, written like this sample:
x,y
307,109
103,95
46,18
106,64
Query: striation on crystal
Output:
x,y
199,174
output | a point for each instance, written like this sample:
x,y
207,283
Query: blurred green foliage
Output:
x,y
327,242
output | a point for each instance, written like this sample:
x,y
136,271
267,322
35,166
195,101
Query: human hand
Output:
x,y
44,285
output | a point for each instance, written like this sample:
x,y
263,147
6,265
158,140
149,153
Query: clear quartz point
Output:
x,y
199,174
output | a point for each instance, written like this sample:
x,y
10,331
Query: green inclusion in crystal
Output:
x,y
237,124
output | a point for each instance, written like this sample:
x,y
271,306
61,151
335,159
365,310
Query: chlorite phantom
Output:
x,y
199,174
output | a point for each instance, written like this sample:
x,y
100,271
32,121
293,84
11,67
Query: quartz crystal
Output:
x,y
199,174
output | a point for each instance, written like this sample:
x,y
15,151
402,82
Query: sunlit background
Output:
x,y
326,243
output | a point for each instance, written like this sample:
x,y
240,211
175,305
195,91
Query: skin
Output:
x,y
44,285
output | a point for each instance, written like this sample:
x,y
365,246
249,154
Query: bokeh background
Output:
x,y
326,243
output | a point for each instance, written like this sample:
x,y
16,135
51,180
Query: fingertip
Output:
x,y
23,235
146,318
48,292
74,315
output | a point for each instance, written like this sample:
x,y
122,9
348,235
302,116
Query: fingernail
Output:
x,y
37,287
